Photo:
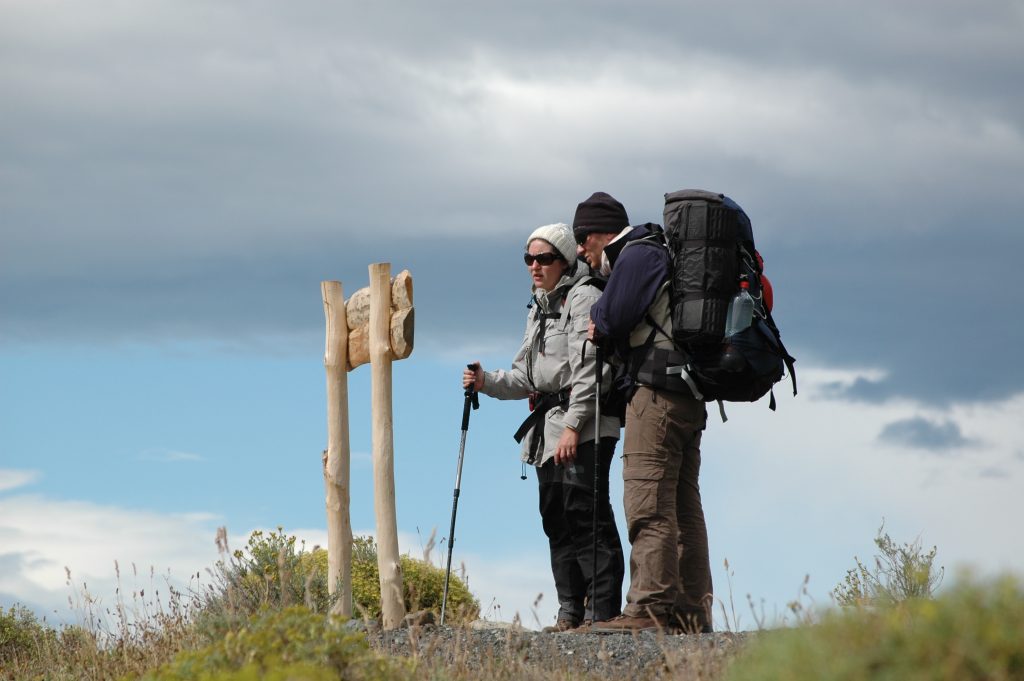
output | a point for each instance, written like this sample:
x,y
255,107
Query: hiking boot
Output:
x,y
561,625
625,624
583,628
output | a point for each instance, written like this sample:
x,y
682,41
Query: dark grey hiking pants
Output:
x,y
566,509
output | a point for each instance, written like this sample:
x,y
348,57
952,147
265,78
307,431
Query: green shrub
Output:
x,y
272,572
972,631
22,636
422,586
901,572
289,644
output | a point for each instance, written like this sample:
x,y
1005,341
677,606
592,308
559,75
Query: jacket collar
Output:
x,y
612,250
545,299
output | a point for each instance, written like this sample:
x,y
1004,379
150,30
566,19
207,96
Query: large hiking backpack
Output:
x,y
711,243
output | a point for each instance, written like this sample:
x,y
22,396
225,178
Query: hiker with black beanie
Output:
x,y
670,573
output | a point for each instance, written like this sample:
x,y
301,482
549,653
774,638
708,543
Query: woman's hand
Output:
x,y
473,377
565,450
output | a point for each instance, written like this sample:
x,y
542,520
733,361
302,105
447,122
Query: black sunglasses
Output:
x,y
542,258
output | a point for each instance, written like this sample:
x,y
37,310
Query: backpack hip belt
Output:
x,y
540,405
667,370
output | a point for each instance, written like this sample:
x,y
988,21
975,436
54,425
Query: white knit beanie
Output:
x,y
560,236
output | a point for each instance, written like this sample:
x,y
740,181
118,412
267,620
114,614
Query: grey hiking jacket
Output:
x,y
555,360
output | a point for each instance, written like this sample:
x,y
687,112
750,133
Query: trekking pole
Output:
x,y
598,368
474,401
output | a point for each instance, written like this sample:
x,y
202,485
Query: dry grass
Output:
x,y
239,612
155,626
147,627
142,629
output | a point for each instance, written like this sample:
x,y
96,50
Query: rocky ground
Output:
x,y
505,651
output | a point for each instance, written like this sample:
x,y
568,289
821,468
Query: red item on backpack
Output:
x,y
766,286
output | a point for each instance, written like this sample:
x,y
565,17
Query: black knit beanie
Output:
x,y
599,213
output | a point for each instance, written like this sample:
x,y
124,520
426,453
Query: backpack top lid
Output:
x,y
683,196
694,195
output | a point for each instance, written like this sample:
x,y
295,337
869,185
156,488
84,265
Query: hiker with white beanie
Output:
x,y
556,370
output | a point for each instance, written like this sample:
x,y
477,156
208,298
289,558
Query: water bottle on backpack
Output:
x,y
741,309
737,318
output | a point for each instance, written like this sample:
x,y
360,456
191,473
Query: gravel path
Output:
x,y
525,653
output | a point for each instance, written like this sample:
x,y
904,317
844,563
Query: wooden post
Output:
x,y
337,460
391,600
350,328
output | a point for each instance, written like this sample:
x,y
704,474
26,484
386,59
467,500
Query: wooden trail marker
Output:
x,y
401,325
375,325
336,460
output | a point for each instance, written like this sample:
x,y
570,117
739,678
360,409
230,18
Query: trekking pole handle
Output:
x,y
472,398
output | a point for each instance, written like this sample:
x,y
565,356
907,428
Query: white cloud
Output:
x,y
13,479
169,455
45,538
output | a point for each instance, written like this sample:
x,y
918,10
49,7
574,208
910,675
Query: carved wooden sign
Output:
x,y
357,308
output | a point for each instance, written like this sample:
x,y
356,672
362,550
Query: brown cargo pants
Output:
x,y
669,566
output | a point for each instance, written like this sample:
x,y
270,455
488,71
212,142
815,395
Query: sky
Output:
x,y
177,177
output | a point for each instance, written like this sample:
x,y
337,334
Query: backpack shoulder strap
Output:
x,y
787,358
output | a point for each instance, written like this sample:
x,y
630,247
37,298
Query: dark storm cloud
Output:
x,y
930,309
192,171
921,433
461,288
